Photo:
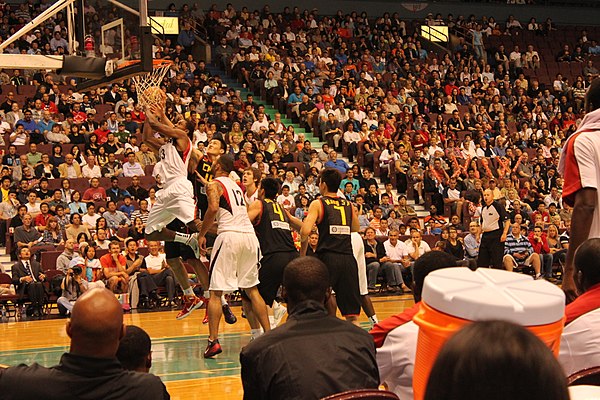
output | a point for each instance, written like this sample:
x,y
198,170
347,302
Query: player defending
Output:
x,y
175,201
336,219
272,226
236,252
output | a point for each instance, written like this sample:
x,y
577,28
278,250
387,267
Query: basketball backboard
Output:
x,y
118,31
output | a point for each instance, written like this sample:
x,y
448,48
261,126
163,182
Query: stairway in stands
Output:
x,y
271,111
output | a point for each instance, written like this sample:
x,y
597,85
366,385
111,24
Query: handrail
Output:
x,y
434,34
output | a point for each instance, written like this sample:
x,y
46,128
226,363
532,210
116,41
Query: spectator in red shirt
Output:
x,y
114,268
102,132
95,191
539,242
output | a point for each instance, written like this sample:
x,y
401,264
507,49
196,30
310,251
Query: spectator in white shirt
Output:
x,y
90,217
159,270
286,200
91,169
132,167
396,259
416,245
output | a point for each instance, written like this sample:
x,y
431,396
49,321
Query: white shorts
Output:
x,y
358,248
174,201
528,261
235,261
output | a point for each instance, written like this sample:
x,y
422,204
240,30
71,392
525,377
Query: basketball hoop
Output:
x,y
147,85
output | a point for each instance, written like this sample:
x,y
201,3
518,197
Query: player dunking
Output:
x,y
272,225
174,207
236,252
336,219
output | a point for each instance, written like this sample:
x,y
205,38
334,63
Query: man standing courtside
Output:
x,y
494,225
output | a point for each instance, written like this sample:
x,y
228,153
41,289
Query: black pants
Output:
x,y
36,293
491,250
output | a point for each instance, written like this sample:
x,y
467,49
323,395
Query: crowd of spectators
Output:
x,y
436,127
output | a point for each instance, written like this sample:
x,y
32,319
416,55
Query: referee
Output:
x,y
494,225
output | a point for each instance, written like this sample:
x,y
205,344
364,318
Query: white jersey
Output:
x,y
232,215
173,165
251,199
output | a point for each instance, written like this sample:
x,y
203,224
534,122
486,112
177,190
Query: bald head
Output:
x,y
96,324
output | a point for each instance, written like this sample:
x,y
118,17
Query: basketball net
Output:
x,y
147,86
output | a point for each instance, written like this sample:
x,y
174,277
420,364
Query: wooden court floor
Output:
x,y
177,347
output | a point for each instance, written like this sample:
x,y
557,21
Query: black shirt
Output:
x,y
311,356
77,377
273,229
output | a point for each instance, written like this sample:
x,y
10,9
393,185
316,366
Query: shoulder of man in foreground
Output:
x,y
36,377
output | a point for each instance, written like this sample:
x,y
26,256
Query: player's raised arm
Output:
x,y
148,137
309,222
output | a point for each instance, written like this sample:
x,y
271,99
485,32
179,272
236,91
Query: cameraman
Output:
x,y
73,286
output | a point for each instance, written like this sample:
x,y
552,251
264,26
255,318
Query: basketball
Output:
x,y
152,95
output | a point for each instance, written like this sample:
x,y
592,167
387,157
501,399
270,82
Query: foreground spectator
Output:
x,y
323,343
135,350
90,369
578,347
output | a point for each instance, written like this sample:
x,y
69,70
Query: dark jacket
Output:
x,y
311,356
78,377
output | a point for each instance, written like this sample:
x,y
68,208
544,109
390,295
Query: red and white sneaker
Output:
x,y
212,349
190,304
205,319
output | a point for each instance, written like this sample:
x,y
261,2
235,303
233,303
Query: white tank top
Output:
x,y
232,215
173,167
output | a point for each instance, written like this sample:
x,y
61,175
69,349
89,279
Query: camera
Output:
x,y
77,270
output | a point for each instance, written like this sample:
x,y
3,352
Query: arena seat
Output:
x,y
363,394
588,376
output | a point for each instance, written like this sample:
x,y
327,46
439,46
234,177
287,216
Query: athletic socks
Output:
x,y
207,294
182,237
188,291
374,320
223,301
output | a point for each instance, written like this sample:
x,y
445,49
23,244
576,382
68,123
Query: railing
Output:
x,y
435,33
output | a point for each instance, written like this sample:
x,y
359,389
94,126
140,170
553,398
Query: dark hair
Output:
x,y
73,216
500,360
429,262
586,262
222,142
226,162
271,187
306,278
134,348
332,179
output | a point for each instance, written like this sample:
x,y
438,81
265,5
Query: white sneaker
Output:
x,y
279,312
193,243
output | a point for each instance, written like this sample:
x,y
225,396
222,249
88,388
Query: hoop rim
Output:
x,y
156,63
